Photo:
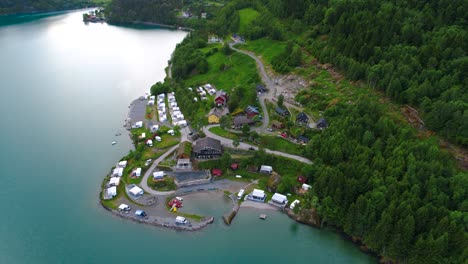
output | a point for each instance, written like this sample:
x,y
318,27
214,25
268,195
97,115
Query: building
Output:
x,y
302,119
241,120
261,88
281,111
136,191
184,164
215,115
322,123
207,148
110,193
266,169
118,172
136,172
251,111
221,98
257,196
114,181
277,125
158,175
279,200
303,139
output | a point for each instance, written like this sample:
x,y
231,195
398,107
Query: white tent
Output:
x,y
306,186
279,198
137,172
118,172
112,191
114,181
158,138
149,142
143,135
154,128
158,174
171,132
136,191
258,193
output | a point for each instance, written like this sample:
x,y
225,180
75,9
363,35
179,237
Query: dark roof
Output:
x,y
189,175
303,139
261,88
206,142
302,117
251,109
241,120
322,123
281,111
217,112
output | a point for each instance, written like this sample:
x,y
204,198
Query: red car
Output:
x,y
284,135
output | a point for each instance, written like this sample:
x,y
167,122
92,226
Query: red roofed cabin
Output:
x,y
302,179
221,98
216,172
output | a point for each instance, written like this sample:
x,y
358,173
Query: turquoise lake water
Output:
x,y
65,89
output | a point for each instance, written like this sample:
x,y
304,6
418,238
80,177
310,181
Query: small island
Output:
x,y
94,16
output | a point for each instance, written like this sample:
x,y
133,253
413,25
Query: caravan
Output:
x,y
240,194
180,220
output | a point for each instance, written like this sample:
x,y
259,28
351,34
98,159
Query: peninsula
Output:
x,y
361,123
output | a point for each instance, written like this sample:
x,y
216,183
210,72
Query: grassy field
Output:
x,y
223,133
267,49
246,15
228,72
281,144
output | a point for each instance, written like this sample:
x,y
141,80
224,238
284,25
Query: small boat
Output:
x,y
263,216
114,142
118,134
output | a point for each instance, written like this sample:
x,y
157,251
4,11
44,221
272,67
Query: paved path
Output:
x,y
144,181
245,146
270,85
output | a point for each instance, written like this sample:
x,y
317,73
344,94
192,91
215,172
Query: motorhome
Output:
x,y
240,194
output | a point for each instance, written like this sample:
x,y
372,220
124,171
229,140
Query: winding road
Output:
x,y
270,85
245,146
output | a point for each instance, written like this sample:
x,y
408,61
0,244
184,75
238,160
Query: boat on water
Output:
x,y
114,142
263,216
118,134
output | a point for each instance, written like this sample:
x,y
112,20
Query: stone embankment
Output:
x,y
161,222
230,216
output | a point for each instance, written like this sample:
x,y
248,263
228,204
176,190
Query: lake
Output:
x,y
66,87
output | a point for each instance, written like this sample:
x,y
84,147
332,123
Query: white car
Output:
x,y
148,162
179,198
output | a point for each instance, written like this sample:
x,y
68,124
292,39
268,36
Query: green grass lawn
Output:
x,y
247,15
280,144
239,71
266,48
166,184
217,130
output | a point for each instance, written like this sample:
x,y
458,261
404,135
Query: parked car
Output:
x,y
269,129
284,135
251,148
148,162
179,198
180,220
140,213
293,204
